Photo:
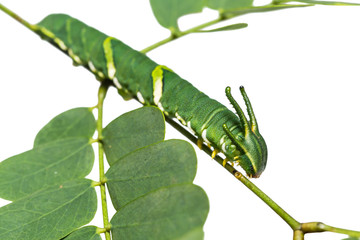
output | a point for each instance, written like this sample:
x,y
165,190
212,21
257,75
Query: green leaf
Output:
x,y
147,169
85,233
44,166
167,12
167,213
226,28
49,214
352,238
74,123
133,130
321,2
223,5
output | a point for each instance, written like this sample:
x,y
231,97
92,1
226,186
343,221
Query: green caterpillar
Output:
x,y
135,75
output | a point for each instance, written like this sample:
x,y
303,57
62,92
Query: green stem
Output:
x,y
312,227
273,205
101,96
158,44
340,230
298,235
18,18
177,35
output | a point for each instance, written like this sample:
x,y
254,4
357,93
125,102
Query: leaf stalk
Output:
x,y
99,126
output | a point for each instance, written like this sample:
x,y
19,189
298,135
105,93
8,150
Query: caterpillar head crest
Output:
x,y
249,142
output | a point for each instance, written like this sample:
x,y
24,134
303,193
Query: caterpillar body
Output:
x,y
136,75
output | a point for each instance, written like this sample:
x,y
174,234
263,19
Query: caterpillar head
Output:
x,y
250,147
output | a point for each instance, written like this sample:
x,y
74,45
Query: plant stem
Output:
x,y
101,96
340,230
177,35
158,44
298,235
273,205
312,227
18,18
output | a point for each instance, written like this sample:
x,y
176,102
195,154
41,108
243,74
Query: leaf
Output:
x,y
352,238
133,130
167,12
226,28
85,233
167,213
44,166
147,169
78,122
223,5
49,214
322,2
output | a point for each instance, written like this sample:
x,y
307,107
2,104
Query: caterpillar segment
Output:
x,y
137,76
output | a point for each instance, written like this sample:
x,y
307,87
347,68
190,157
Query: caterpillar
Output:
x,y
137,76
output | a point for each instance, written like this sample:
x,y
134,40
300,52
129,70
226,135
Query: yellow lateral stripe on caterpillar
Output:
x,y
109,58
157,76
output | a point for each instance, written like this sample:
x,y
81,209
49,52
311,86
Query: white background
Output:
x,y
301,71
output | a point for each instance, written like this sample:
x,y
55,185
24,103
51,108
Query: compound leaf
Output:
x,y
167,12
44,166
74,123
149,168
51,213
85,233
175,212
133,130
